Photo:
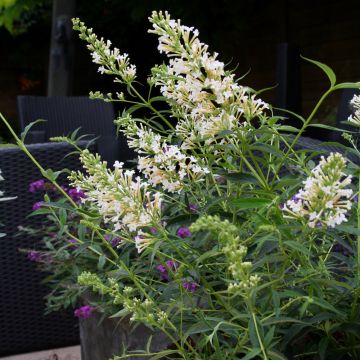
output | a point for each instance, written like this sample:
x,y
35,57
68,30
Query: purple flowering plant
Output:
x,y
236,237
64,250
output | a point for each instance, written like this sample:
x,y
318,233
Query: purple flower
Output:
x,y
37,185
37,205
73,244
220,179
153,230
170,264
166,149
193,208
183,232
341,249
295,198
356,198
114,241
84,311
34,256
76,194
190,286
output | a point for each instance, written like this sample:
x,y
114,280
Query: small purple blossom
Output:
x,y
341,249
190,286
84,311
73,244
153,230
37,205
183,232
164,273
35,256
356,198
166,149
193,208
296,199
114,241
220,179
76,194
37,185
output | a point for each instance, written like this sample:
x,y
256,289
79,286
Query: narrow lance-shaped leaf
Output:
x,y
325,68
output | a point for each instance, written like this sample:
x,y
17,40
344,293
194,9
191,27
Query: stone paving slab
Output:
x,y
68,353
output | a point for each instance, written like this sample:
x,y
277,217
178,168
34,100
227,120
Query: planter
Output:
x,y
103,339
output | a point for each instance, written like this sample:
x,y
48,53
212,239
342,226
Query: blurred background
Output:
x,y
40,55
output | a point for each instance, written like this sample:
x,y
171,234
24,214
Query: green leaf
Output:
x,y
323,345
348,229
295,245
324,304
50,174
252,354
101,262
253,333
28,127
323,126
62,217
163,354
269,337
122,313
347,85
206,255
281,320
326,69
199,328
275,355
249,203
241,178
288,128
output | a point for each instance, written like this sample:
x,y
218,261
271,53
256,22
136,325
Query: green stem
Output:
x,y
258,336
42,170
303,128
148,104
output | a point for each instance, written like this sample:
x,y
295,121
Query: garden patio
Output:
x,y
177,186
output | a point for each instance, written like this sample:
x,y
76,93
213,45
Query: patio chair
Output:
x,y
25,327
65,114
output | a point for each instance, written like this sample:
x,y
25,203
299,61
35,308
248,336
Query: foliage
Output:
x,y
18,15
235,238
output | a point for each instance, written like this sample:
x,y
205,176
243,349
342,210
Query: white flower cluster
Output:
x,y
122,201
111,61
354,119
206,99
324,200
165,165
169,167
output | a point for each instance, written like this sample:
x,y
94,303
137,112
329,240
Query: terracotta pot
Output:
x,y
101,340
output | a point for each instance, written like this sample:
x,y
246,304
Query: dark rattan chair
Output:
x,y
65,114
24,327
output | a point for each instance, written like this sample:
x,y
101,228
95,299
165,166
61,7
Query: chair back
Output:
x,y
64,114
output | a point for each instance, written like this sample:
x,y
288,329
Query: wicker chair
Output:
x,y
24,327
65,114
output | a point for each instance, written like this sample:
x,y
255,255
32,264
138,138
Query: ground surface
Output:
x,y
69,353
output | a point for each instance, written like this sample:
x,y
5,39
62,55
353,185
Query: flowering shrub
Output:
x,y
233,237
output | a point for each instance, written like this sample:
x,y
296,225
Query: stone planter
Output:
x,y
102,340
